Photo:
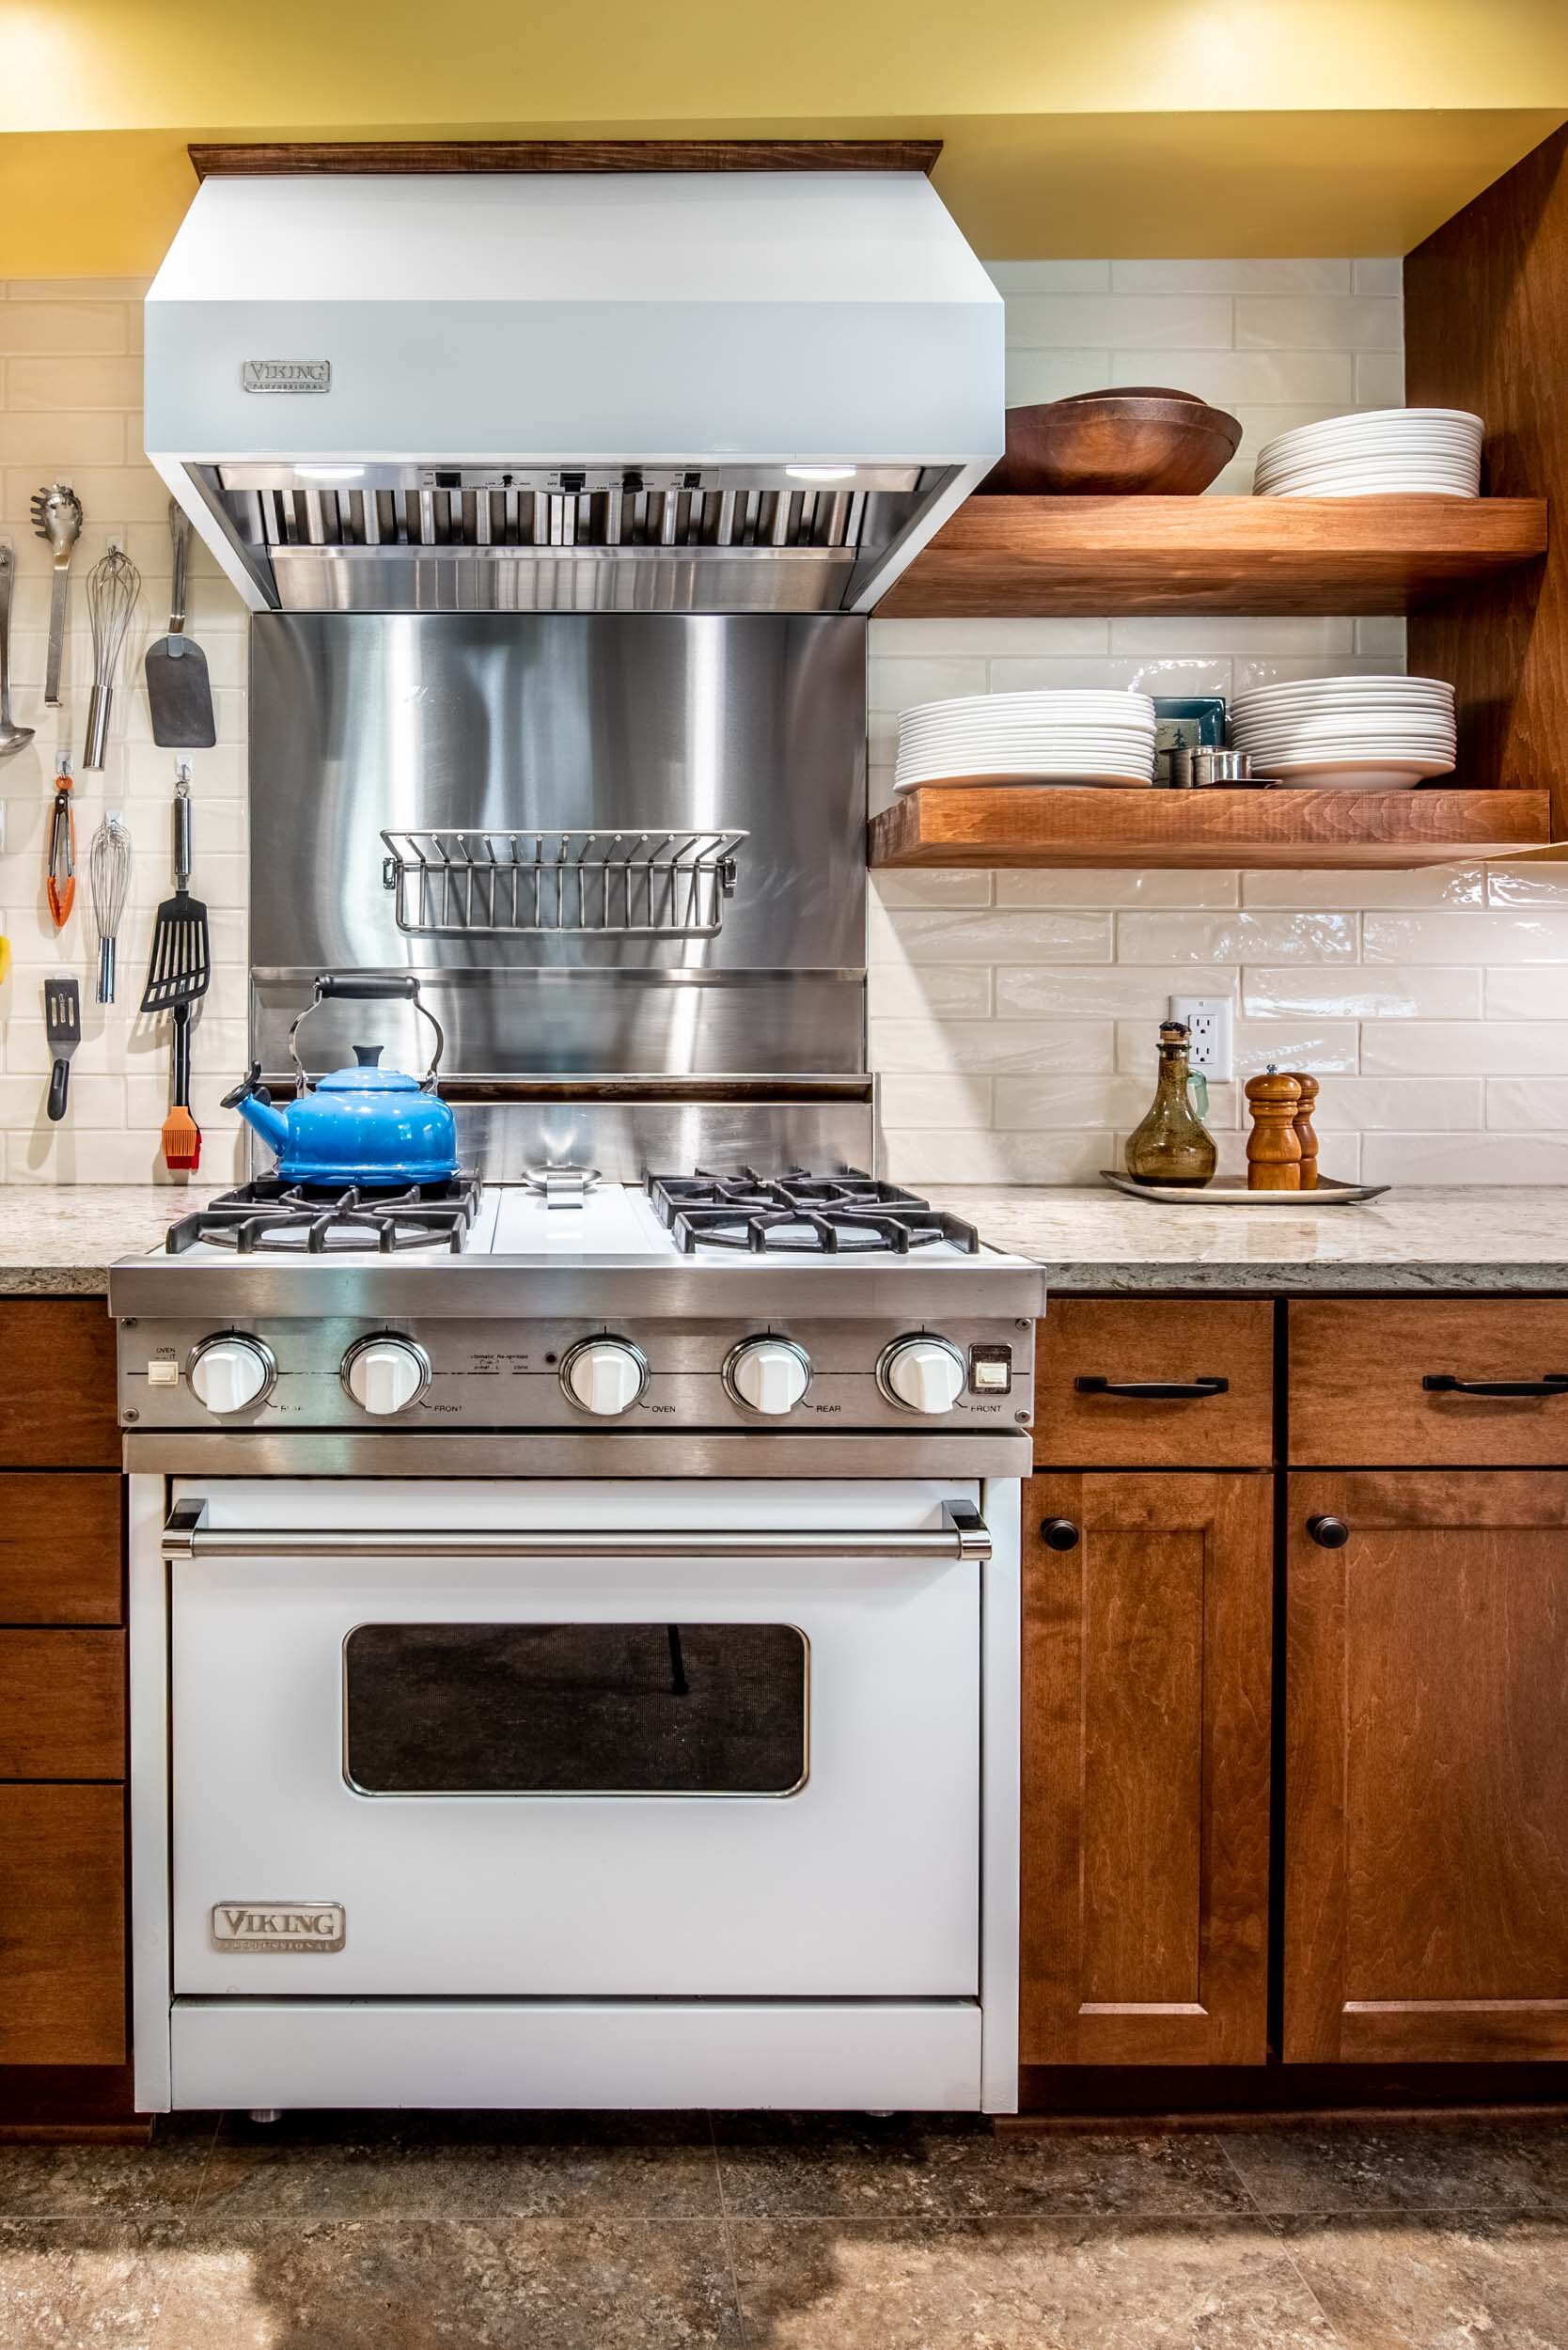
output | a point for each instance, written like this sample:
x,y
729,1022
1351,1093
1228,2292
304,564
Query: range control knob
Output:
x,y
605,1377
385,1376
227,1373
769,1375
923,1374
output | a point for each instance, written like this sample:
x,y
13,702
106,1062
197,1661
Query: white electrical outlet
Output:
x,y
1209,1019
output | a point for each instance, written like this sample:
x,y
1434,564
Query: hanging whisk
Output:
x,y
109,872
114,585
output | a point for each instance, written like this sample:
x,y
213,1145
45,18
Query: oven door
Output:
x,y
528,1739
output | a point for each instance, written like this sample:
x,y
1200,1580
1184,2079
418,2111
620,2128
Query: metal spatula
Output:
x,y
178,692
181,963
62,1015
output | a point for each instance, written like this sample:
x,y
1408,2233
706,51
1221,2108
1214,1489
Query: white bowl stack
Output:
x,y
1048,738
1355,734
1379,452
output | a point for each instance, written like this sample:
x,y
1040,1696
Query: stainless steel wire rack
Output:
x,y
619,885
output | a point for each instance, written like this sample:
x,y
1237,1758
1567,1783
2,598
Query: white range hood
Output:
x,y
719,392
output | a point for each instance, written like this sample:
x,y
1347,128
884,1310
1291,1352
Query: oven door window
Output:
x,y
575,1709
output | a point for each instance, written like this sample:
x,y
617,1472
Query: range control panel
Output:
x,y
427,1373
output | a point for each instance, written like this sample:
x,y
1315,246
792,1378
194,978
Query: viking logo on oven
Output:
x,y
279,1926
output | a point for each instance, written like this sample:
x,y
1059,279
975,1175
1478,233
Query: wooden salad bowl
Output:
x,y
1142,442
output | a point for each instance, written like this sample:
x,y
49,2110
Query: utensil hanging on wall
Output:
x,y
113,584
57,519
178,691
109,874
12,737
62,1019
60,888
181,963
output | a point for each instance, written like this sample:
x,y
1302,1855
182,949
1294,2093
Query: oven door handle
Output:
x,y
962,1534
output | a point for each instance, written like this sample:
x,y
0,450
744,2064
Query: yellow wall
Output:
x,y
1179,125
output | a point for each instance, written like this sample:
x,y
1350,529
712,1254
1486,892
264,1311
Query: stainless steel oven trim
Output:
x,y
571,1794
229,1452
963,1536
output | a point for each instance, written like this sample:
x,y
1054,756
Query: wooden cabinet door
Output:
x,y
62,1925
1426,1773
1147,1661
58,1398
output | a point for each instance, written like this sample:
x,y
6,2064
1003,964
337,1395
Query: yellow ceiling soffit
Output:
x,y
123,65
107,204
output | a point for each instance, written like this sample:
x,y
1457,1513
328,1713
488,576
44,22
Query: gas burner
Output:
x,y
799,1213
269,1217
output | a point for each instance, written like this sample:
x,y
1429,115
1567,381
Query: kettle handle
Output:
x,y
363,986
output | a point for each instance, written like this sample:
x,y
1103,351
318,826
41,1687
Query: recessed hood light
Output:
x,y
819,473
330,473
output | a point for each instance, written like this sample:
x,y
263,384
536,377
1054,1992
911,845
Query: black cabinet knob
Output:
x,y
1328,1533
1059,1533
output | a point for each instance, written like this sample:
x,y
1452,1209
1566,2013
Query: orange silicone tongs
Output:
x,y
62,847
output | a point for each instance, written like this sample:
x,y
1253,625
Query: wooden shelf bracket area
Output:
x,y
1055,557
1032,824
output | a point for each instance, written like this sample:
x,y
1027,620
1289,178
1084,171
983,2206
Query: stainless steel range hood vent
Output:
x,y
671,393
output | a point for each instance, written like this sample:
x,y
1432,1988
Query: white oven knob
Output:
x,y
386,1376
768,1375
922,1374
605,1376
226,1373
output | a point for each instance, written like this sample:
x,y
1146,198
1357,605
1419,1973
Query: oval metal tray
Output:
x,y
1326,1193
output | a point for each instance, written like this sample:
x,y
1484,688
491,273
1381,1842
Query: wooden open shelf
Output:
x,y
1000,824
1011,557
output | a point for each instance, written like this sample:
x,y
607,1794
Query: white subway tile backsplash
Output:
x,y
1272,992
987,1047
1427,885
1117,991
1405,1105
1132,674
925,640
1545,885
898,681
1527,1105
938,991
934,1156
934,887
1285,275
1105,1101
1534,936
939,1101
1319,322
1073,886
1253,379
1480,1048
1533,993
1038,376
994,934
1430,1159
1383,275
1049,277
1155,321
1319,642
1380,379
1244,938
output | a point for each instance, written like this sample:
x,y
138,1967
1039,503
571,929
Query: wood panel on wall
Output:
x,y
1486,328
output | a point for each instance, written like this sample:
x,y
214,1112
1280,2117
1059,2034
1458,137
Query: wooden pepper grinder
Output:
x,y
1306,1133
1273,1146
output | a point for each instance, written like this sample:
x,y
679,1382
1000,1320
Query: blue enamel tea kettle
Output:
x,y
366,1125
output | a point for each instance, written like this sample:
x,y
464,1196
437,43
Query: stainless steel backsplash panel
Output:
x,y
360,723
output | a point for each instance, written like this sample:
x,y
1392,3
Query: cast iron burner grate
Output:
x,y
271,1217
799,1213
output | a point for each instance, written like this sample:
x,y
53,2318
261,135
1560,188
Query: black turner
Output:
x,y
62,1015
179,966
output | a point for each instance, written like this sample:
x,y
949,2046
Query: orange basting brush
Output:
x,y
182,1136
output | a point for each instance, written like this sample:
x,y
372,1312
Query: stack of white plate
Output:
x,y
1361,733
1060,738
1379,452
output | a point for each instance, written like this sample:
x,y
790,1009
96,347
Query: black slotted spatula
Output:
x,y
62,1018
179,966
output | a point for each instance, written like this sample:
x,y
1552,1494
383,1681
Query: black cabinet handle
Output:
x,y
1059,1533
1155,1390
1328,1533
1443,1383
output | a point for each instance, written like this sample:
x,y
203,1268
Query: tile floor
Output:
x,y
334,2232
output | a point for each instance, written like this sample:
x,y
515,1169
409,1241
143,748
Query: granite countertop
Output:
x,y
58,1240
1475,1238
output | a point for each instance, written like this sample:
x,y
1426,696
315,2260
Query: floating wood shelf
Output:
x,y
1008,557
993,825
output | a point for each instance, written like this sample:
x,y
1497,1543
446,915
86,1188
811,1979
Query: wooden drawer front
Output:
x,y
62,1925
1356,1397
1145,1838
1125,1340
59,1548
1426,1778
58,1407
62,1705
